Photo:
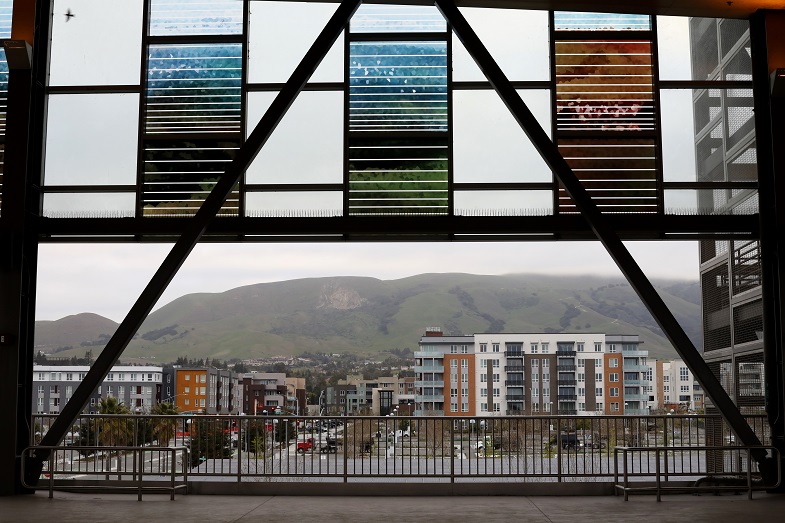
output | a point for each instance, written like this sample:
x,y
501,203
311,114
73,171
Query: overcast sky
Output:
x,y
107,279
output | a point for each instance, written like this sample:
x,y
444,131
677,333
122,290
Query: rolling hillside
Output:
x,y
367,315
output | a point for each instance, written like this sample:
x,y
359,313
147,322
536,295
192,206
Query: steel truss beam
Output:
x,y
599,224
195,229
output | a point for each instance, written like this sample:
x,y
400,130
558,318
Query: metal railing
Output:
x,y
284,448
669,463
130,464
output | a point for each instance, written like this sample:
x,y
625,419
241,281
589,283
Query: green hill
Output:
x,y
366,315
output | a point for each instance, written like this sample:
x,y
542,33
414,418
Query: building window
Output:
x,y
581,376
684,374
453,349
535,348
464,407
483,407
613,362
496,378
598,377
598,392
535,378
535,365
615,406
535,407
496,393
581,363
546,392
535,392
685,388
483,347
579,347
464,363
495,347
598,347
483,393
581,391
546,376
613,376
600,407
614,392
453,364
545,363
464,349
545,348
611,348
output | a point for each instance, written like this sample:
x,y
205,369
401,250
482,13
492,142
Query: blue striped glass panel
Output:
x,y
193,88
397,86
575,21
371,18
196,17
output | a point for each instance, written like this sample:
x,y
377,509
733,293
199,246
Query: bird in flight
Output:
x,y
69,15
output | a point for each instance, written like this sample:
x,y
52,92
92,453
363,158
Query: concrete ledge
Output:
x,y
225,488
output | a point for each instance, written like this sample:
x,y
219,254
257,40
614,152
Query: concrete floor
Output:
x,y
83,507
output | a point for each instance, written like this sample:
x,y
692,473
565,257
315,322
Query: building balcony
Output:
x,y
566,368
513,353
514,383
571,382
513,368
567,397
566,353
429,398
429,368
567,412
514,397
636,368
514,412
431,383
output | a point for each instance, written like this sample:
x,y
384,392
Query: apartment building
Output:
x,y
376,397
205,390
530,373
673,387
266,392
138,388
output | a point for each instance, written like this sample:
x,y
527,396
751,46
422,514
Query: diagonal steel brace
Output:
x,y
599,224
194,230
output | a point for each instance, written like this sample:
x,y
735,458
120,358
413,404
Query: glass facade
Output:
x,y
397,119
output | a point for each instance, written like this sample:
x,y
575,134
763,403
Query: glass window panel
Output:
x,y
744,166
503,203
711,201
517,40
315,119
580,21
179,175
731,32
398,86
92,139
196,17
619,174
193,88
100,45
89,205
678,140
307,203
490,146
3,90
673,45
371,18
280,33
704,48
709,155
6,9
405,176
604,85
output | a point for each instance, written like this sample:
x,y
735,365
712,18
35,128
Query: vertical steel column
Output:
x,y
610,240
768,53
19,249
195,228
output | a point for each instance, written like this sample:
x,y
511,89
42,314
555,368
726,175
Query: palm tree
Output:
x,y
165,427
113,430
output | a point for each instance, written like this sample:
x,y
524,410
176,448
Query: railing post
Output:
x,y
452,451
657,465
239,447
346,448
141,471
558,449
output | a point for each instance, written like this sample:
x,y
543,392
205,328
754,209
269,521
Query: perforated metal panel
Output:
x,y
746,270
748,322
704,47
731,31
716,309
750,383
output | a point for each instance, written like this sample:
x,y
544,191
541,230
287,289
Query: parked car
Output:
x,y
567,441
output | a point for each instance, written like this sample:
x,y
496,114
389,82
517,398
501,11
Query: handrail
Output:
x,y
658,488
29,453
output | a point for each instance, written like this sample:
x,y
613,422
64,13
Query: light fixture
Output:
x,y
777,83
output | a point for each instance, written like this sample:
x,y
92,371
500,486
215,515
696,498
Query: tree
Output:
x,y
164,428
209,440
113,428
